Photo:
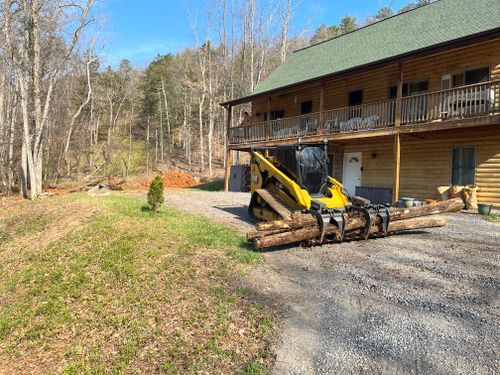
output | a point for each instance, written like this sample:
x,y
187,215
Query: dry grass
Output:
x,y
102,285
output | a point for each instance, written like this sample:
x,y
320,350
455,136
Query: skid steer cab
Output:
x,y
290,179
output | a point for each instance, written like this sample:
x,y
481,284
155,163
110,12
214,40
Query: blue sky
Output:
x,y
140,30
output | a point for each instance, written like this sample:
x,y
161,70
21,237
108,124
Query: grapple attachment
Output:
x,y
326,216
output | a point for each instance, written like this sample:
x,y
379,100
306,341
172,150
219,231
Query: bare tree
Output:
x,y
285,21
60,109
77,114
29,27
167,112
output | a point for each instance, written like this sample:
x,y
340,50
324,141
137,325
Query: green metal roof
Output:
x,y
430,25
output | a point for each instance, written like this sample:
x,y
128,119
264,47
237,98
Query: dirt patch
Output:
x,y
171,179
178,180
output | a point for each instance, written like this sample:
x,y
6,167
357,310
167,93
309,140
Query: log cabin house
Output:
x,y
406,105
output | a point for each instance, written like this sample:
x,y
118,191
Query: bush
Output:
x,y
155,194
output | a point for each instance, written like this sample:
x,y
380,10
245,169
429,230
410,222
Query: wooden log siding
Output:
x,y
433,67
469,101
426,161
375,83
429,159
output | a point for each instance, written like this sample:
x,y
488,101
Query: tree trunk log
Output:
x,y
252,235
303,220
308,233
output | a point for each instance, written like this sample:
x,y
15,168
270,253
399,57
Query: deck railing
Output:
x,y
299,126
358,118
476,100
249,133
466,101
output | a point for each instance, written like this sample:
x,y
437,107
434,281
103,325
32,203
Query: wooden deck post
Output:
x,y
268,127
228,149
321,107
397,140
397,168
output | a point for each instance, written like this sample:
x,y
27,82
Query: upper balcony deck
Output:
x,y
471,104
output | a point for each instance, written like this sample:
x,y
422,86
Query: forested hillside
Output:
x,y
65,114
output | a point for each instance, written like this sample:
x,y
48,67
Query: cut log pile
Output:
x,y
304,228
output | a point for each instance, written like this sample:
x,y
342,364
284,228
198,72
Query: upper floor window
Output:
x,y
470,77
355,98
416,88
413,88
277,114
306,107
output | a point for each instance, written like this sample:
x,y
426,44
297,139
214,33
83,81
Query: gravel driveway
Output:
x,y
417,303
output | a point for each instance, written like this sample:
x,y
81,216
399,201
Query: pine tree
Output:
x,y
155,194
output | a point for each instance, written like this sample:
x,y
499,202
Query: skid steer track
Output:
x,y
275,202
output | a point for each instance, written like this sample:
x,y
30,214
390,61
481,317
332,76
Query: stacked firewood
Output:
x,y
304,228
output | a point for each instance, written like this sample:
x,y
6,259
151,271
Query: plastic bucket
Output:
x,y
484,208
408,202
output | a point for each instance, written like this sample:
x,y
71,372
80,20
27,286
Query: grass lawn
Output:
x,y
214,185
102,285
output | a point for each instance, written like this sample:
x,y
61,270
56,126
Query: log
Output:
x,y
296,222
450,205
253,234
116,185
354,221
308,233
303,220
402,225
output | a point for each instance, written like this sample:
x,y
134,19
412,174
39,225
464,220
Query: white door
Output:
x,y
351,175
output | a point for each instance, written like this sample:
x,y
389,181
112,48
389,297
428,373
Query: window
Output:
x,y
446,82
413,88
355,98
458,80
277,114
463,170
477,75
306,107
393,92
415,109
470,77
416,88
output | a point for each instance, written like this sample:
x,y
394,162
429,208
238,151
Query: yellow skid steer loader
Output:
x,y
290,179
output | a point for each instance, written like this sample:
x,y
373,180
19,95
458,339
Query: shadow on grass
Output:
x,y
215,185
146,208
